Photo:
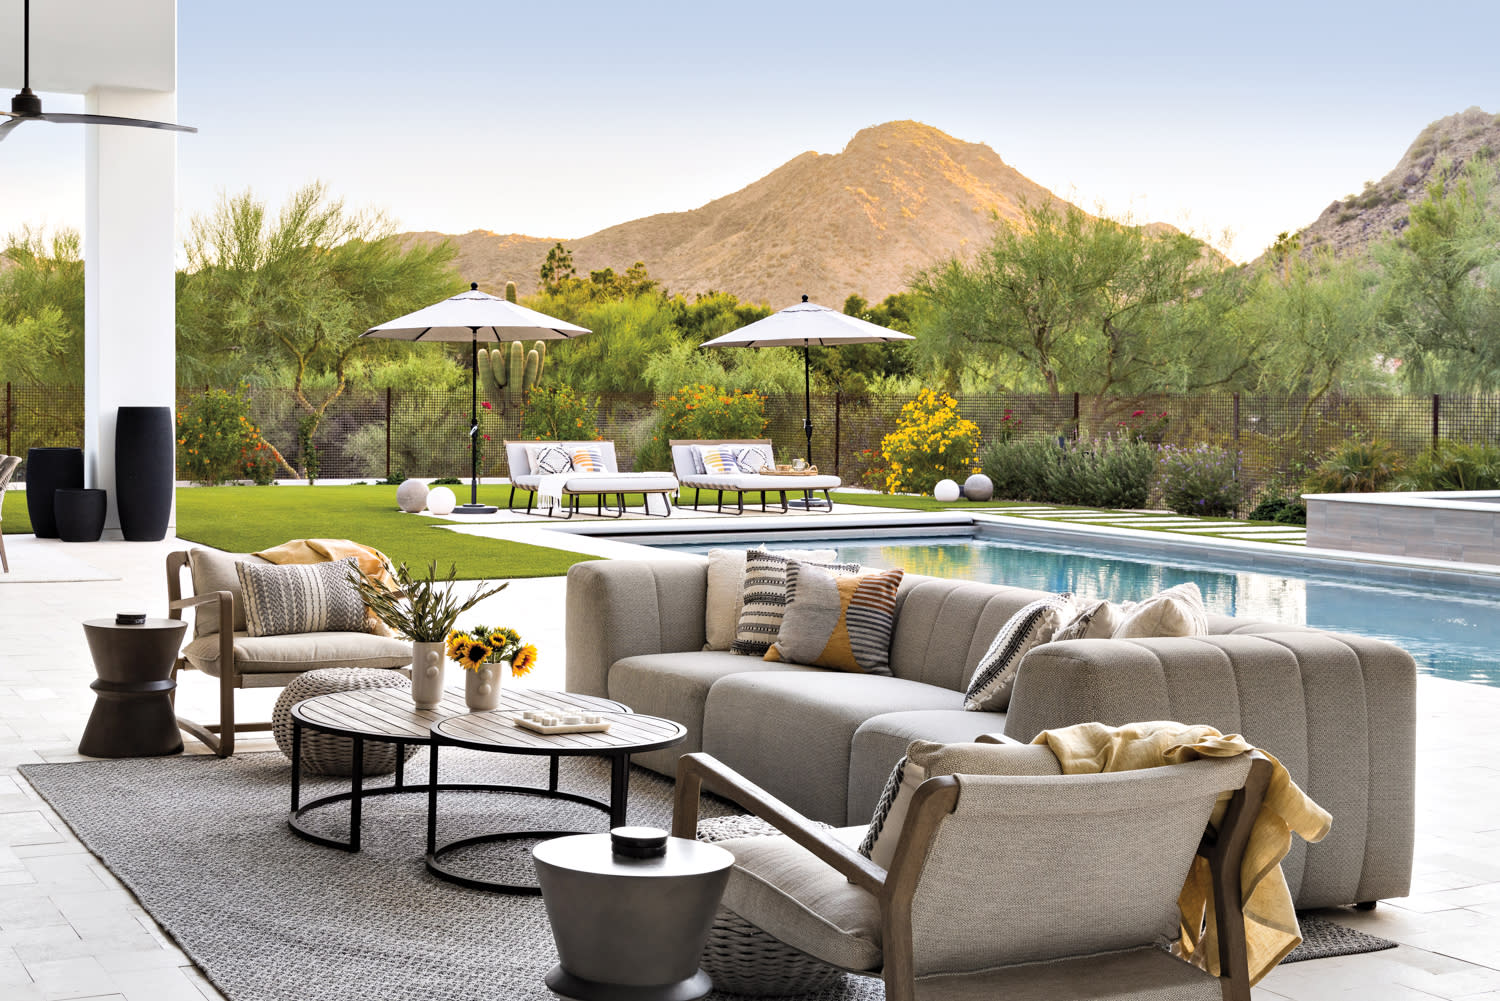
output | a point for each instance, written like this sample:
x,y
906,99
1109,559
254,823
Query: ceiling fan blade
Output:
x,y
5,127
139,123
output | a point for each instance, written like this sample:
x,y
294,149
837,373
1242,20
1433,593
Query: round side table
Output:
x,y
630,927
133,715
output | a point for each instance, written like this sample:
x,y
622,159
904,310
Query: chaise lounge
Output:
x,y
530,461
749,457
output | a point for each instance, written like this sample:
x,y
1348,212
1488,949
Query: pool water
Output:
x,y
1450,633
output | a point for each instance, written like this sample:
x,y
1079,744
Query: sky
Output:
x,y
1234,121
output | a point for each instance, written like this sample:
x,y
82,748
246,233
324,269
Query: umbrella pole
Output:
x,y
807,401
474,507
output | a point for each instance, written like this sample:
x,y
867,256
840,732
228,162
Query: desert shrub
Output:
x,y
557,413
1357,467
216,440
931,443
701,411
1019,467
1454,465
1202,480
1103,472
1278,508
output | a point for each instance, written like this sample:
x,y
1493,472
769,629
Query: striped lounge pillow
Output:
x,y
765,600
989,690
301,598
838,620
588,459
719,458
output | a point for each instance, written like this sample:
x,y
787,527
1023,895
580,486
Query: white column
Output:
x,y
130,338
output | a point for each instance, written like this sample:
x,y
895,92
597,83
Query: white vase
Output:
x,y
482,687
427,662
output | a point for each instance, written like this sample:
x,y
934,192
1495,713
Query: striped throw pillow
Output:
x,y
765,600
837,620
301,598
989,690
719,458
588,459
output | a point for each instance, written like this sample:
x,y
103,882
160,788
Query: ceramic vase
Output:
x,y
427,662
482,687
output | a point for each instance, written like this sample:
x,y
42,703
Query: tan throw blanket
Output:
x,y
1271,929
372,563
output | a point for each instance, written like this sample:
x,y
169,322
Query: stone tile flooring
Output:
x,y
68,929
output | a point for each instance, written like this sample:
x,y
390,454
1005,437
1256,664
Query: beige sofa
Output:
x,y
1339,711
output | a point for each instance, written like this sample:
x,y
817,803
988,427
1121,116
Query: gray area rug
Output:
x,y
267,916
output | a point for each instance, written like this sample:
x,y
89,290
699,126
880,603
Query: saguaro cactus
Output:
x,y
510,291
508,375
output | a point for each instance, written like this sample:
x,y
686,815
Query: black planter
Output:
x,y
48,469
144,472
80,513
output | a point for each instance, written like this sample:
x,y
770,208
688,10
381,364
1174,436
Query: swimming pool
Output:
x,y
1450,631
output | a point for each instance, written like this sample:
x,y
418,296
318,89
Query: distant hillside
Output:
x,y
1351,225
899,196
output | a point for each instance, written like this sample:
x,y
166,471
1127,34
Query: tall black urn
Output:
x,y
144,472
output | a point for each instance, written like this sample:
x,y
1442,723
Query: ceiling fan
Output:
x,y
27,107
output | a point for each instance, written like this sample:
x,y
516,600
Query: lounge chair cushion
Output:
x,y
214,571
301,598
297,652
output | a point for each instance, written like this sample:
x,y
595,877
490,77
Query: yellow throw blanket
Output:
x,y
372,563
1271,929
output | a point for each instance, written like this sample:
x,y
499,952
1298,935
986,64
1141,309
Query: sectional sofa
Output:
x,y
1339,711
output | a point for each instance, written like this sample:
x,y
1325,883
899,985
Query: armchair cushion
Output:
x,y
214,571
297,652
785,890
301,598
1145,974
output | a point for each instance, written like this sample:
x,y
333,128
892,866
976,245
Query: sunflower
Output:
x,y
457,643
474,654
524,661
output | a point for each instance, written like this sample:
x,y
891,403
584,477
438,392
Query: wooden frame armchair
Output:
x,y
1009,885
8,466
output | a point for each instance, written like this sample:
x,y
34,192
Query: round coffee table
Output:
x,y
133,714
388,715
629,733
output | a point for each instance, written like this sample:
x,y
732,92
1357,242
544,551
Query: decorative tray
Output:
x,y
788,471
540,722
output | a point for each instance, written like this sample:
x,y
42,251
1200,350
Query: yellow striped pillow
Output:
x,y
587,459
720,459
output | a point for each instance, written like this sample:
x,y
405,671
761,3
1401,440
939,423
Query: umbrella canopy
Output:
x,y
475,316
807,325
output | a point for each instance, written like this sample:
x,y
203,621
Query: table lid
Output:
x,y
591,853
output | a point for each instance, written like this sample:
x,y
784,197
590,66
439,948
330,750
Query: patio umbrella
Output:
x,y
475,316
804,325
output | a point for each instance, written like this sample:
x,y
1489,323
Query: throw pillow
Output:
x,y
989,689
301,598
754,458
719,458
548,459
588,459
726,590
764,600
837,620
925,760
1096,620
1177,611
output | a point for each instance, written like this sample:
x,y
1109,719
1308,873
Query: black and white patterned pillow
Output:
x,y
548,459
301,598
989,690
754,458
883,808
765,600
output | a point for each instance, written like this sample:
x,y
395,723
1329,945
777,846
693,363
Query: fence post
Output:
x,y
1236,418
1435,416
9,420
837,400
388,432
1077,424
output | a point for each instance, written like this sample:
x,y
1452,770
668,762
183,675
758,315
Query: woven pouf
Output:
x,y
323,753
741,958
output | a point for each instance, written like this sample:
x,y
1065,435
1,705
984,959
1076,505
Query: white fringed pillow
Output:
x,y
1177,611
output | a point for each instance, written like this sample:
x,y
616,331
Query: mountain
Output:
x,y
1351,225
900,196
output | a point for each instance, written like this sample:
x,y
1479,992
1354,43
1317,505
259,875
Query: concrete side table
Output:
x,y
133,715
630,929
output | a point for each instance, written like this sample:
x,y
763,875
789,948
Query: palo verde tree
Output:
x,y
41,309
294,291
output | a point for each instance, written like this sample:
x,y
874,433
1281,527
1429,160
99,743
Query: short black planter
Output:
x,y
79,513
47,470
144,472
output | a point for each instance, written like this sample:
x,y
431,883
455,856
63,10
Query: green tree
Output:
x,y
41,308
300,287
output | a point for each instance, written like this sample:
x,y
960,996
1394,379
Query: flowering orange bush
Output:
x,y
702,411
216,440
932,442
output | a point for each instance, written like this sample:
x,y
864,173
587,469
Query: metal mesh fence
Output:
x,y
373,434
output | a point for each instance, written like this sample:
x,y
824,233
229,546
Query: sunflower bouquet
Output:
x,y
481,643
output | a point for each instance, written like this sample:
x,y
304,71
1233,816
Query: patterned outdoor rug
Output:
x,y
267,916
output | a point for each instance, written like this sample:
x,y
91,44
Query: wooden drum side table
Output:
x,y
133,715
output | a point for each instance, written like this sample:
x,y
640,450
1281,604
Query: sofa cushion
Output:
x,y
1177,611
302,598
781,887
792,732
675,686
765,600
300,652
842,622
1032,626
881,741
726,590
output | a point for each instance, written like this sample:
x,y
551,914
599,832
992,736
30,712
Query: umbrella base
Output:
x,y
475,509
810,504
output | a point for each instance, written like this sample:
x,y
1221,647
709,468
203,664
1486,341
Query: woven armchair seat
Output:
x,y
324,753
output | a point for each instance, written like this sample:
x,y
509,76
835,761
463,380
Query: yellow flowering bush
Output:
x,y
931,442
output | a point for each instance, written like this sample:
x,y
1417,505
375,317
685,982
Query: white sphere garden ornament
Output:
x,y
440,501
945,491
411,496
978,488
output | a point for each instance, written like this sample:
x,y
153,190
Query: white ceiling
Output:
x,y
77,45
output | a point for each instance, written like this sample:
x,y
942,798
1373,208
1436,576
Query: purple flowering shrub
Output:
x,y
1201,480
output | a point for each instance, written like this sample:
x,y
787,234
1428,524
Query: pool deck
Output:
x,y
69,929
